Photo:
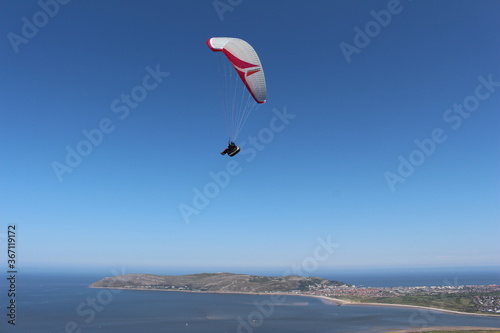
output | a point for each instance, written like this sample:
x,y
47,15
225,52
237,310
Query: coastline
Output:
x,y
347,303
446,328
334,301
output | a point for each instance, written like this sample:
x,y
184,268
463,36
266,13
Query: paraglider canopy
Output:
x,y
245,61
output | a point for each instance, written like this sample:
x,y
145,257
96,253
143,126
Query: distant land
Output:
x,y
217,282
467,299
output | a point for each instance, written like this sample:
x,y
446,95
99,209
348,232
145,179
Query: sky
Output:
x,y
377,146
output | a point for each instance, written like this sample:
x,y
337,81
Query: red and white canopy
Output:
x,y
245,61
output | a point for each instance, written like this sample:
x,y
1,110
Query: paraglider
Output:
x,y
239,103
231,150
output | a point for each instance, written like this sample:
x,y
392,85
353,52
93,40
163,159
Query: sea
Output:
x,y
63,303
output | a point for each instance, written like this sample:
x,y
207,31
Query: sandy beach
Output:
x,y
344,302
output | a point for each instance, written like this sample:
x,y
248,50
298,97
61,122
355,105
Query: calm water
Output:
x,y
65,304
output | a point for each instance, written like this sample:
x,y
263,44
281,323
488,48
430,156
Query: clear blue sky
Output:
x,y
323,176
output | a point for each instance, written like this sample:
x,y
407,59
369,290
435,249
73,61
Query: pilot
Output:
x,y
232,149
